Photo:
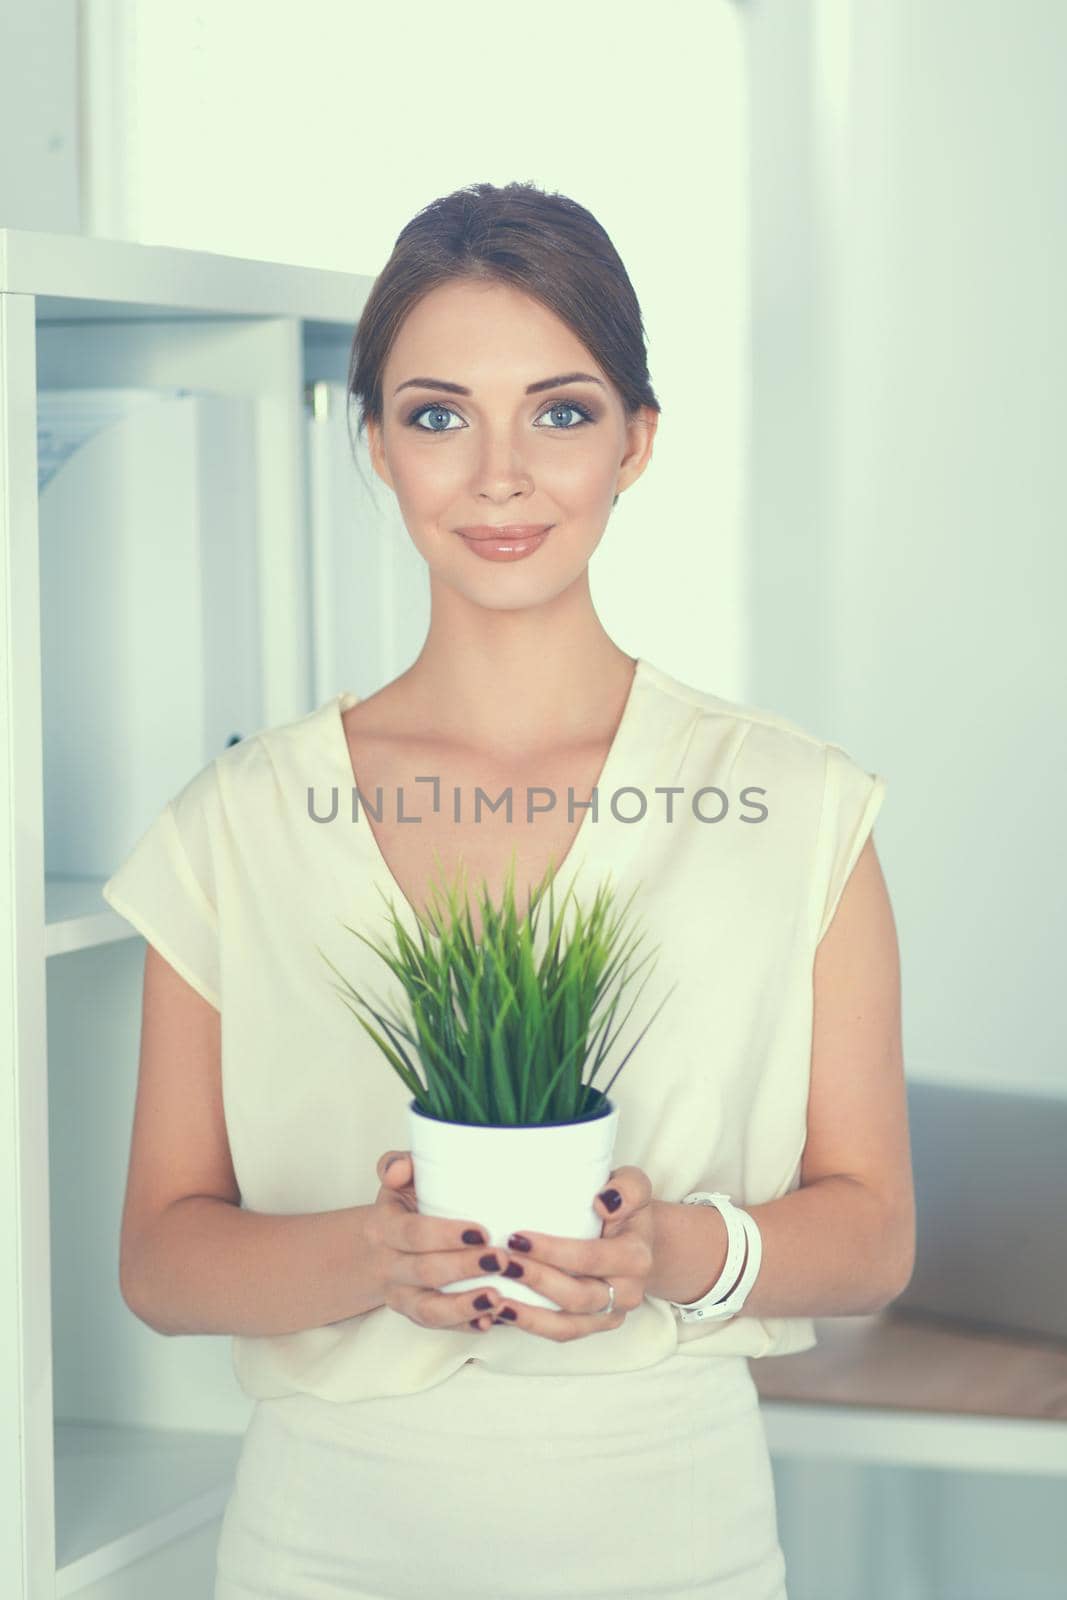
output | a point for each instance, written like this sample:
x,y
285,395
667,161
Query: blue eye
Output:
x,y
441,410
568,405
556,406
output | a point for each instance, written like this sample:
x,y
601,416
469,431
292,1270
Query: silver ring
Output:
x,y
610,1307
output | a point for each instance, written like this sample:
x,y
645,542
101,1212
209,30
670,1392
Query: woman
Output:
x,y
407,1441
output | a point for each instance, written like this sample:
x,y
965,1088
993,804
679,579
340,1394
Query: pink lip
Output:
x,y
501,535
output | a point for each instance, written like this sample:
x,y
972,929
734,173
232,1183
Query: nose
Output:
x,y
502,471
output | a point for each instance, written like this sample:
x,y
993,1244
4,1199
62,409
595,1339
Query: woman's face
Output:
x,y
497,455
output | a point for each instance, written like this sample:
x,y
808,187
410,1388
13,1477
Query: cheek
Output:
x,y
425,477
578,479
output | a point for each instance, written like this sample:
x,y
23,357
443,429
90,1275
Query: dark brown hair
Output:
x,y
548,246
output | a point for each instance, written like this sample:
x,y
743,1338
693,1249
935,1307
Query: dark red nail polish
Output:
x,y
473,1236
612,1199
507,1312
518,1242
483,1303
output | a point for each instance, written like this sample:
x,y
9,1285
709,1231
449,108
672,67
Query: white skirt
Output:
x,y
645,1485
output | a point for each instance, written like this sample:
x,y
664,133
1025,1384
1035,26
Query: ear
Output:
x,y
640,434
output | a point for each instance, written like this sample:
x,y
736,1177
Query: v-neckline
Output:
x,y
604,784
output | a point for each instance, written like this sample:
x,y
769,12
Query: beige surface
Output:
x,y
917,1364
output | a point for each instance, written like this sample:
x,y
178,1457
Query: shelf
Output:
x,y
114,677
77,277
122,1492
76,917
903,1390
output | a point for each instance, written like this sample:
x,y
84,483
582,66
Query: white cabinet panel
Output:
x,y
184,1569
150,656
370,586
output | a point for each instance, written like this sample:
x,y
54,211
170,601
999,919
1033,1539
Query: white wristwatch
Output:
x,y
742,1230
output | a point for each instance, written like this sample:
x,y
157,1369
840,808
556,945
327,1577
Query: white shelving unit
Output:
x,y
884,1436
117,1446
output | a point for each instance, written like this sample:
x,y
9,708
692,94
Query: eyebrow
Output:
x,y
531,388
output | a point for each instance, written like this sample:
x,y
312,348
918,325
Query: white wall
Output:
x,y
237,128
907,483
39,116
907,556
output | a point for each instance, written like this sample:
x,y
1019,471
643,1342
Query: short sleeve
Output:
x,y
852,799
165,887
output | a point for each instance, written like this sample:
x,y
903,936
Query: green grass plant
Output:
x,y
503,1039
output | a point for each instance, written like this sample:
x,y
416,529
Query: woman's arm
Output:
x,y
191,1260
206,1266
844,1242
828,1250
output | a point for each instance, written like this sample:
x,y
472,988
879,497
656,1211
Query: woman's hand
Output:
x,y
572,1271
418,1255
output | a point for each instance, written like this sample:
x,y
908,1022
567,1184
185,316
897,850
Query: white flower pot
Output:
x,y
507,1179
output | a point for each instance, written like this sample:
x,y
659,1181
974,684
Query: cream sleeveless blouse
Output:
x,y
740,830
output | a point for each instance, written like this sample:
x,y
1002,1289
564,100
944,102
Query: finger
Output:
x,y
432,1308
409,1229
395,1168
633,1187
634,1190
584,1293
563,1326
624,1255
412,1234
419,1285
